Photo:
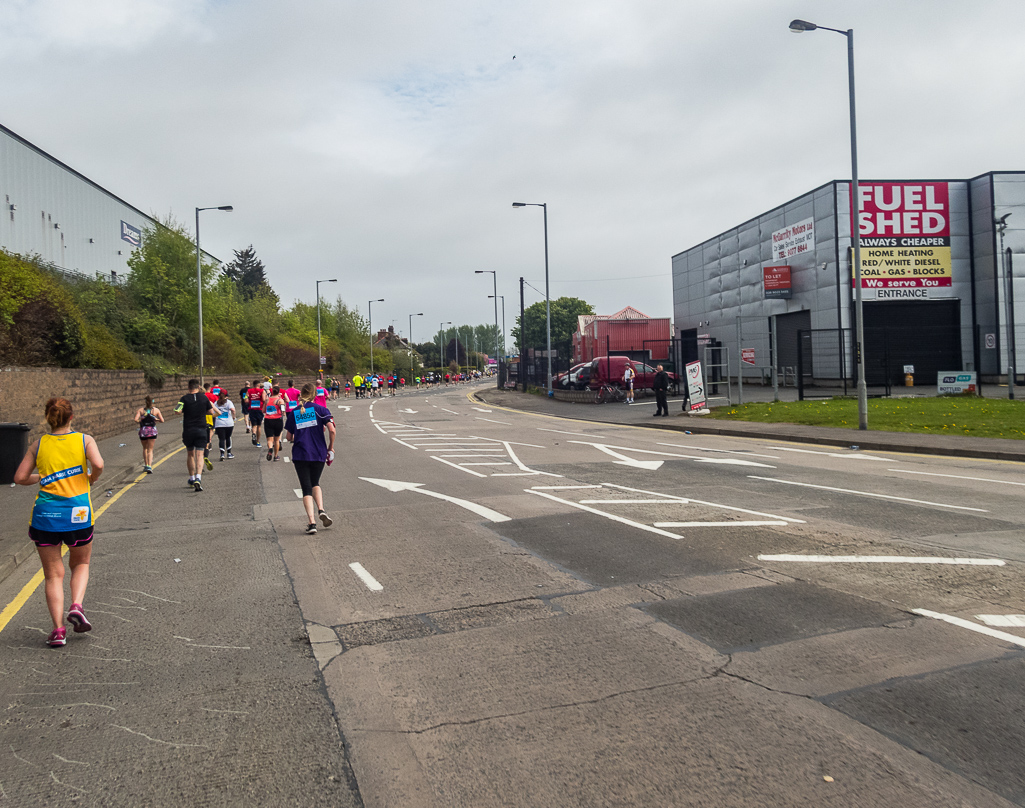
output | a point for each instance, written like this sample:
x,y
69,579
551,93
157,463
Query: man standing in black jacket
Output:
x,y
661,386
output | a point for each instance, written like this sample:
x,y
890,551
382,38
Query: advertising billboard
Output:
x,y
793,240
776,281
905,240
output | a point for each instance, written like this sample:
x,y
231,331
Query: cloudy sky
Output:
x,y
382,142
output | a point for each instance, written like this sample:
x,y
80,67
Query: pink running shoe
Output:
x,y
78,619
57,637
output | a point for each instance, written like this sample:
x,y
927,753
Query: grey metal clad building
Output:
x,y
51,210
934,286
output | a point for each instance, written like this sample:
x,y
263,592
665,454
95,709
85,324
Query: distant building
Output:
x,y
389,340
628,332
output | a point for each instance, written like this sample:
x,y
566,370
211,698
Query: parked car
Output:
x,y
573,379
610,370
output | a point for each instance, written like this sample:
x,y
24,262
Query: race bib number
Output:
x,y
303,420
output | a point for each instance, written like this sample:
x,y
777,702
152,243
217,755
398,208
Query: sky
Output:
x,y
383,142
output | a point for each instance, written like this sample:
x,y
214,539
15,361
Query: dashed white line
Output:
x,y
957,621
738,523
956,477
1009,620
492,420
561,487
869,494
372,583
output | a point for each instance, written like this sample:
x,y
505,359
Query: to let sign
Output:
x,y
747,356
776,281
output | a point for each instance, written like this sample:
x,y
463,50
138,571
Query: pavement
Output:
x,y
122,454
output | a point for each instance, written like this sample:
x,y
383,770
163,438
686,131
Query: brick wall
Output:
x,y
104,401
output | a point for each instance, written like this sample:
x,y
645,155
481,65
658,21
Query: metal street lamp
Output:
x,y
370,323
548,307
800,26
494,280
1001,226
441,337
199,284
502,298
320,356
411,316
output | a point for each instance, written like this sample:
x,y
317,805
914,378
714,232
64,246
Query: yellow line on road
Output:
x,y
26,592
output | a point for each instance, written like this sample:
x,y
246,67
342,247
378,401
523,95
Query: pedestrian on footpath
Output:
x,y
194,407
628,383
304,429
661,387
64,463
146,417
224,424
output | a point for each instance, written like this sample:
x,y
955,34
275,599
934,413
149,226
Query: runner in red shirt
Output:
x,y
255,408
273,421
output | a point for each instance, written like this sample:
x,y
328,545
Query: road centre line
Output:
x,y
457,466
868,494
447,410
561,487
372,584
490,463
562,432
956,477
825,559
957,621
672,497
492,420
722,451
1010,620
611,516
740,523
831,454
623,502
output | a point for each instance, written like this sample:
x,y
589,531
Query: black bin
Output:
x,y
13,445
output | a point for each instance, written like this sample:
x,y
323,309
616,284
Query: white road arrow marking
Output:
x,y
726,461
411,412
480,510
344,407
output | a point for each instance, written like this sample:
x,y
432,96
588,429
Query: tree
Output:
x,y
163,279
247,271
565,311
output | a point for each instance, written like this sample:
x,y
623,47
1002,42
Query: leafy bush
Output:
x,y
103,350
293,355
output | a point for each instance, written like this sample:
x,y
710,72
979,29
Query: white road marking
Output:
x,y
411,412
720,524
869,494
577,434
447,410
722,451
481,409
957,621
729,461
474,454
956,477
825,559
458,466
366,577
1008,620
343,407
298,492
674,498
490,463
480,510
492,420
623,502
855,456
611,516
561,487
512,456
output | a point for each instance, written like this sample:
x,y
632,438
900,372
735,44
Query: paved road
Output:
x,y
515,609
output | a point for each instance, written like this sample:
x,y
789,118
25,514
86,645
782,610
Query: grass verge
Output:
x,y
946,415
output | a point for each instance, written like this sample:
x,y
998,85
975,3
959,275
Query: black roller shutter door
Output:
x,y
923,333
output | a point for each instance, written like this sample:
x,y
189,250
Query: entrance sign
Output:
x,y
695,387
905,240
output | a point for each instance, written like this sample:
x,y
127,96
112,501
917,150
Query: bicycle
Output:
x,y
609,392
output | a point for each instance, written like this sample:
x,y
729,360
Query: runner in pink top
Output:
x,y
321,394
292,394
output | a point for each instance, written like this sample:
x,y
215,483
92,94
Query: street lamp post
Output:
x,y
800,26
320,356
548,307
494,281
502,298
411,316
441,339
199,284
370,323
1001,226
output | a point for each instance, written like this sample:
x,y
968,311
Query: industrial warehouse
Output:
x,y
776,293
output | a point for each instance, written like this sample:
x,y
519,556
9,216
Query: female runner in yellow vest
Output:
x,y
63,511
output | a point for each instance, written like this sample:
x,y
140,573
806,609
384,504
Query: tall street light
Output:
x,y
798,27
320,356
441,338
411,316
1001,226
370,322
199,284
494,281
502,298
548,307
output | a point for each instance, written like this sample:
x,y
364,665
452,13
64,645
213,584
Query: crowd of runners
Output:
x,y
64,463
